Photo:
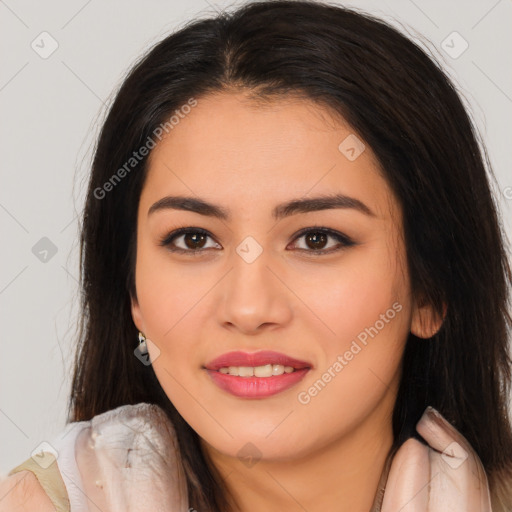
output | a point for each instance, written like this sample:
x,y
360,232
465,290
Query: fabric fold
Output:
x,y
443,475
128,460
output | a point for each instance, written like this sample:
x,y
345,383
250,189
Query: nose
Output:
x,y
254,295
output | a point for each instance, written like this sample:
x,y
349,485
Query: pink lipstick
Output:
x,y
256,375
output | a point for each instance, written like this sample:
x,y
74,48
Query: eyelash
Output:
x,y
344,240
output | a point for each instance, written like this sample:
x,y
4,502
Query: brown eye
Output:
x,y
187,240
194,240
316,240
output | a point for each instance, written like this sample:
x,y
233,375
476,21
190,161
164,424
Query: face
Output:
x,y
326,288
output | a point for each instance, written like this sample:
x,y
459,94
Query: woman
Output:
x,y
289,209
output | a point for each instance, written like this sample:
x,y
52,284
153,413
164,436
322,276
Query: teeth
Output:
x,y
267,370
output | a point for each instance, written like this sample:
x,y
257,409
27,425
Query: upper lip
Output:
x,y
262,358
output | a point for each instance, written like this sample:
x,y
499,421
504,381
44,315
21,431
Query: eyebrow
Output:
x,y
295,206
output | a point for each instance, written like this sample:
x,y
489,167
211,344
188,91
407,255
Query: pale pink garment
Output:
x,y
444,476
127,460
124,460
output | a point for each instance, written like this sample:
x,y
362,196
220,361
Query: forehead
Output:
x,y
248,154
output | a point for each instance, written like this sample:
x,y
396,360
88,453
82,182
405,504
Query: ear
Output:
x,y
136,314
426,322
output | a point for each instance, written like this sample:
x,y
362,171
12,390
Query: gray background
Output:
x,y
51,111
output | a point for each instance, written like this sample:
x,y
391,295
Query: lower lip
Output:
x,y
256,387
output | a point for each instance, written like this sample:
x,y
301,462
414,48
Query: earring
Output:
x,y
143,348
142,352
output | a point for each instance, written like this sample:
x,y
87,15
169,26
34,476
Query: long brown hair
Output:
x,y
405,108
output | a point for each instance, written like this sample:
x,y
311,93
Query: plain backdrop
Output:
x,y
51,108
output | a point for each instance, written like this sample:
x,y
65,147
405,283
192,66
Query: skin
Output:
x,y
22,492
327,454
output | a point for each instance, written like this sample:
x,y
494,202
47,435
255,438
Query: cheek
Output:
x,y
168,300
168,292
368,327
365,311
352,296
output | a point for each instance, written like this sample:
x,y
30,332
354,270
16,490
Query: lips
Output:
x,y
254,359
253,386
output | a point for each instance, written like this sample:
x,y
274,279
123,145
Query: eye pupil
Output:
x,y
195,237
314,238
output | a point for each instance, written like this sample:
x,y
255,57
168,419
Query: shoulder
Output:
x,y
95,454
131,455
129,432
22,492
